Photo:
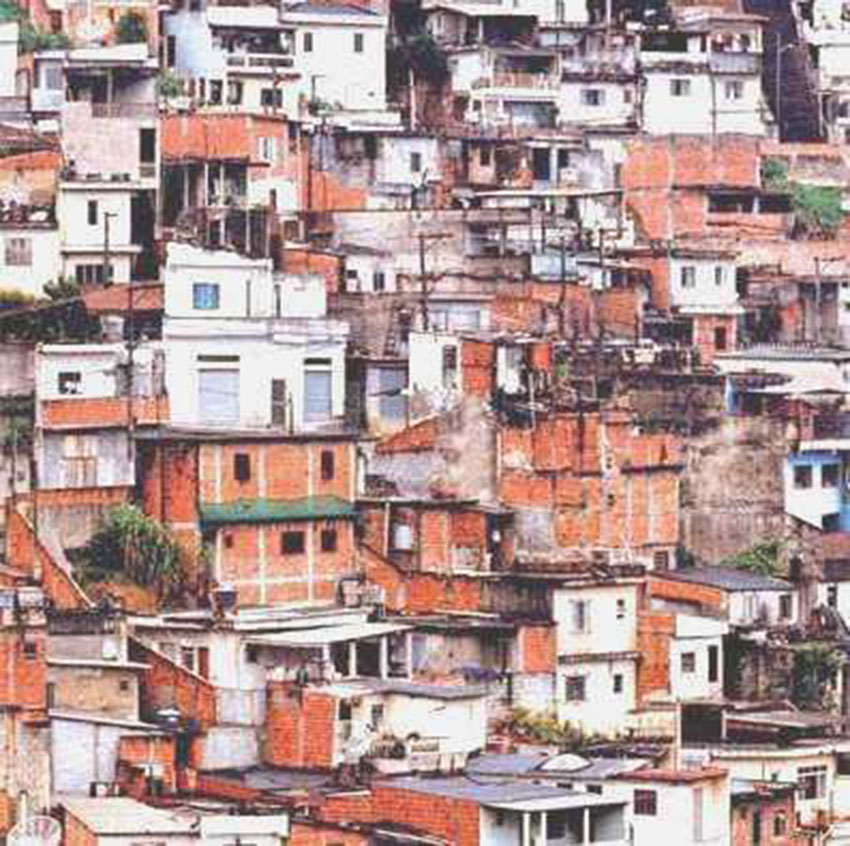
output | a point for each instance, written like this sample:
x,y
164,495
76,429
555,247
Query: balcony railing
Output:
x,y
524,79
735,63
124,110
259,61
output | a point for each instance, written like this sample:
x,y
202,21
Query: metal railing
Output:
x,y
259,60
124,110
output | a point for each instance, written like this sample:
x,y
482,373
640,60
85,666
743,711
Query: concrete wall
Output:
x,y
45,265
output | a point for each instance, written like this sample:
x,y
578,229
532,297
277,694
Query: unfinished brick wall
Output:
x,y
769,808
319,834
23,668
478,367
655,631
24,553
456,820
606,484
166,684
309,262
136,751
704,596
420,436
356,806
300,726
537,648
75,833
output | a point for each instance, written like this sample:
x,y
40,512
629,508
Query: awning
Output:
x,y
317,638
277,510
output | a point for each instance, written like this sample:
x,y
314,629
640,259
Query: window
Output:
x,y
307,42
358,42
720,339
344,709
661,559
415,162
713,663
266,150
575,688
842,763
292,543
19,252
592,97
205,296
628,96
689,662
450,367
680,88
718,275
235,90
485,156
124,686
79,461
785,606
187,657
734,89
780,825
30,650
832,596
171,51
580,616
242,467
70,383
377,715
621,609
802,476
618,682
688,276
811,782
829,476
378,281
92,212
271,98
147,146
216,92
328,468
218,392
556,825
328,540
645,803
317,390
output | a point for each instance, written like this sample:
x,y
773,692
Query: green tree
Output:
x,y
138,547
131,29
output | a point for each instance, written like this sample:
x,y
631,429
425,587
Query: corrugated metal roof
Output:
x,y
728,578
119,815
318,637
277,510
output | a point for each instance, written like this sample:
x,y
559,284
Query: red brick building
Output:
x,y
275,512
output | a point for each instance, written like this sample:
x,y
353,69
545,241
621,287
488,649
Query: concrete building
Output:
x,y
29,248
246,348
704,77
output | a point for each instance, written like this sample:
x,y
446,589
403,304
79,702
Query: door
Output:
x,y
317,395
278,402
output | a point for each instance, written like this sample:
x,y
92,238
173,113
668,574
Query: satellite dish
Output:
x,y
566,763
35,831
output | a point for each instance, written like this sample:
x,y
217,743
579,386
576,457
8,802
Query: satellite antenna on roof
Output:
x,y
35,831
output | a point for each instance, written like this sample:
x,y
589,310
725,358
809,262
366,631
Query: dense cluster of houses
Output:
x,y
478,372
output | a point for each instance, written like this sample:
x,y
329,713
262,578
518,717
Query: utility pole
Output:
x,y
423,276
107,216
131,347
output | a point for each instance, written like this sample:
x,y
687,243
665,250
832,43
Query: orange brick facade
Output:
x,y
607,485
655,632
299,727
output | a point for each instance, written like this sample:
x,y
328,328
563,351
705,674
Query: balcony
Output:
x,y
47,99
258,62
138,111
523,79
743,63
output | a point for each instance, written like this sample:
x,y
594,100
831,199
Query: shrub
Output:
x,y
131,29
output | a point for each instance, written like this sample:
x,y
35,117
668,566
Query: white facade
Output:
x,y
85,211
597,659
813,767
691,811
598,102
246,349
29,257
703,282
779,607
8,58
696,658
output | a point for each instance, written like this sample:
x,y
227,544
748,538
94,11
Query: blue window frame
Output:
x,y
205,295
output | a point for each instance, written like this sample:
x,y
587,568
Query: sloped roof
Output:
x,y
728,578
277,510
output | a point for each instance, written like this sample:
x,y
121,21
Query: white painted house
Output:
x,y
696,658
704,77
245,348
597,652
29,253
